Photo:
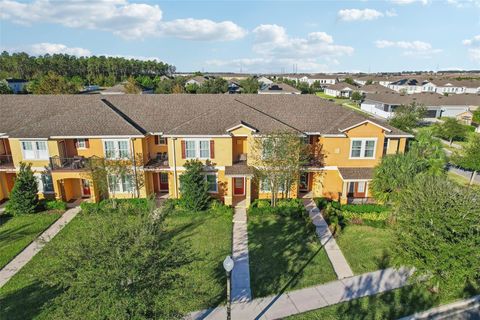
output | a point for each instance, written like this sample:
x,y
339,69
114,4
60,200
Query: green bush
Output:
x,y
23,198
129,205
55,205
364,208
321,202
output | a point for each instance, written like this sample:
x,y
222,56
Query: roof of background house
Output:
x,y
375,88
342,85
408,82
456,83
280,88
15,80
181,114
427,99
199,79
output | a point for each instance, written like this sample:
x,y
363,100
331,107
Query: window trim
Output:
x,y
117,150
197,148
35,150
84,140
363,148
216,181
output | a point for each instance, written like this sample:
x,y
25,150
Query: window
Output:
x,y
265,186
35,150
360,187
362,148
197,149
212,182
47,183
160,140
122,184
81,143
116,149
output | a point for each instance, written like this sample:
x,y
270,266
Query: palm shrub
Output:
x,y
24,195
194,187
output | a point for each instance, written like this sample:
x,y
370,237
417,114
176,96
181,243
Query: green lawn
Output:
x,y
208,234
366,248
284,254
17,232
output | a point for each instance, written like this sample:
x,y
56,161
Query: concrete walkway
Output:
x,y
2,207
33,248
339,263
468,309
241,291
303,300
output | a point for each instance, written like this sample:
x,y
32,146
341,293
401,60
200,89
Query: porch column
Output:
x,y
228,197
343,199
248,191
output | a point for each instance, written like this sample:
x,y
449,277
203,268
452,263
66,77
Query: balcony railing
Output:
x,y
160,161
6,161
75,163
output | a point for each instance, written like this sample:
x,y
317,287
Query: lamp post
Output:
x,y
228,266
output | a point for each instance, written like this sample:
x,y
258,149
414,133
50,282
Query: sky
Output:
x,y
253,36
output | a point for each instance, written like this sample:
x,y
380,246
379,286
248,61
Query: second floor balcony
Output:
x,y
73,163
6,161
157,161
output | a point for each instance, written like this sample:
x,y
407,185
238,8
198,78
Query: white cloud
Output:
x,y
359,14
474,47
55,48
120,17
275,51
405,2
410,48
391,13
464,3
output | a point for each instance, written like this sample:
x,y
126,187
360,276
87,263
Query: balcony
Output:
x,y
68,164
6,161
158,163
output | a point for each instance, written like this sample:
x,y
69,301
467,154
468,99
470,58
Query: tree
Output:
x,y
349,81
52,83
194,186
24,195
451,130
396,172
357,96
250,85
131,86
4,88
476,116
192,88
120,265
273,168
369,82
437,232
217,85
469,156
407,117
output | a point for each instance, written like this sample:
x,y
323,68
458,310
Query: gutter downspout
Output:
x,y
175,168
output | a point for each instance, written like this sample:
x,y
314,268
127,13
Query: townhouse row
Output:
x,y
63,135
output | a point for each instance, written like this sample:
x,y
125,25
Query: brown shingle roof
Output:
x,y
427,99
356,173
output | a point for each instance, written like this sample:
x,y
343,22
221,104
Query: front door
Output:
x,y
163,181
360,189
238,186
85,188
304,182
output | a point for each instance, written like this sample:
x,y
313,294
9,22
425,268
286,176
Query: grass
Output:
x,y
366,248
461,180
18,232
284,254
208,234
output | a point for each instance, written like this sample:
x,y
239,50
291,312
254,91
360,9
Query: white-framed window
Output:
x,y
81,143
197,149
34,150
361,187
363,148
211,179
121,184
47,183
116,149
162,140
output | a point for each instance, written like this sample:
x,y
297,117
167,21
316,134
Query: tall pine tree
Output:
x,y
23,198
194,187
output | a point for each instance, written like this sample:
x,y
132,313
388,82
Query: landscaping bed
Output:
x,y
17,232
201,283
284,251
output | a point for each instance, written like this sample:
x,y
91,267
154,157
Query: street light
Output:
x,y
228,266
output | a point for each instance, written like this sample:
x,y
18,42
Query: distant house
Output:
x,y
341,89
234,86
465,117
17,85
198,80
408,86
278,88
374,88
264,80
452,86
383,104
120,89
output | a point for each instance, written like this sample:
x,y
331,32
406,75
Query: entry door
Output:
x,y
360,189
304,181
85,188
238,186
163,181
62,150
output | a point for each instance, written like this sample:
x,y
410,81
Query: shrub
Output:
x,y
373,219
129,205
321,202
364,208
23,198
194,187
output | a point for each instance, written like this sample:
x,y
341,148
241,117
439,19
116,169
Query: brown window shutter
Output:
x,y
212,149
156,139
87,143
183,150
75,141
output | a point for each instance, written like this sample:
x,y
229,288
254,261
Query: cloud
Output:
x,y
474,47
120,17
359,14
405,2
274,50
464,3
410,48
391,13
56,48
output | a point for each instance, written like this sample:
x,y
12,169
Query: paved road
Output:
x,y
464,173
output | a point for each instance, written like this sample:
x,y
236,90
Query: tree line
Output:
x,y
99,70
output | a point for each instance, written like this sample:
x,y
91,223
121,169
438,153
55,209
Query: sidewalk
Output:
x,y
33,248
241,291
335,255
303,300
459,310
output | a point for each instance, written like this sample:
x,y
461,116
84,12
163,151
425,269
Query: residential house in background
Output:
x,y
159,133
234,86
197,80
341,90
120,89
17,85
264,81
278,88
